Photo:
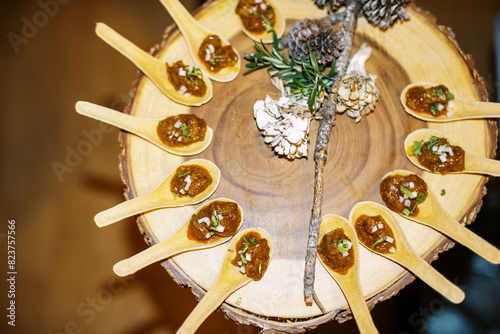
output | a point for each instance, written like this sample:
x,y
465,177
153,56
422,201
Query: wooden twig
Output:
x,y
328,112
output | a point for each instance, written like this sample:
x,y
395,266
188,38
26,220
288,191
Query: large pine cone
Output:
x,y
384,13
318,35
331,5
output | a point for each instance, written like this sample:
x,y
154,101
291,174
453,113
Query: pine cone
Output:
x,y
357,94
384,13
318,35
331,5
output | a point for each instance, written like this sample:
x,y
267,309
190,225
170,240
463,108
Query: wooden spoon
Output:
x,y
194,34
229,280
161,197
145,128
462,109
432,214
473,163
267,37
404,253
153,68
178,243
349,283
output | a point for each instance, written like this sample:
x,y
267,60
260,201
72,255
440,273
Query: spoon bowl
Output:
x,y
474,164
404,253
228,280
349,283
153,68
267,36
432,214
462,109
179,242
161,197
194,34
144,128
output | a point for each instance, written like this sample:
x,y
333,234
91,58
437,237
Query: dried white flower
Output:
x,y
284,123
356,92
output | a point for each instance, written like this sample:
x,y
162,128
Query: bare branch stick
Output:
x,y
320,151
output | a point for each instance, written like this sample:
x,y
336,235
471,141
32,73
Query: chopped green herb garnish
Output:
x,y
269,27
175,195
184,174
443,192
194,75
420,199
161,123
237,135
343,246
450,96
417,147
439,92
260,268
243,259
379,241
433,141
406,192
185,131
435,108
253,12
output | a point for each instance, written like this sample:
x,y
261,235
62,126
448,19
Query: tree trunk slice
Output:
x,y
276,194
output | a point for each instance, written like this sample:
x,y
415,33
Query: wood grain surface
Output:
x,y
276,194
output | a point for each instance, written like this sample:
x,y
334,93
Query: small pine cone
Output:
x,y
318,35
331,5
356,94
384,13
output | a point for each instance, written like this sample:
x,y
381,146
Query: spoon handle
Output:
x,y
129,208
433,278
359,309
214,297
482,165
148,64
183,19
123,121
480,109
450,227
167,248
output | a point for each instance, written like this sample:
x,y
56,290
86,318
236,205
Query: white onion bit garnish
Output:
x,y
219,228
392,250
182,90
240,263
248,257
345,254
380,226
242,270
442,158
449,113
374,229
414,194
204,220
207,236
188,180
407,203
178,124
411,185
450,105
401,199
389,240
211,48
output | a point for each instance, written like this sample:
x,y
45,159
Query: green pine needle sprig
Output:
x,y
306,79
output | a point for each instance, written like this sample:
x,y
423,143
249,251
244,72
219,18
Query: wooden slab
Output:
x,y
276,194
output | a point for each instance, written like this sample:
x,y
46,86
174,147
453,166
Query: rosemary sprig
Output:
x,y
305,78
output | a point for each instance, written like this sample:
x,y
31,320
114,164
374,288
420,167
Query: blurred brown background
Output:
x,y
65,282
